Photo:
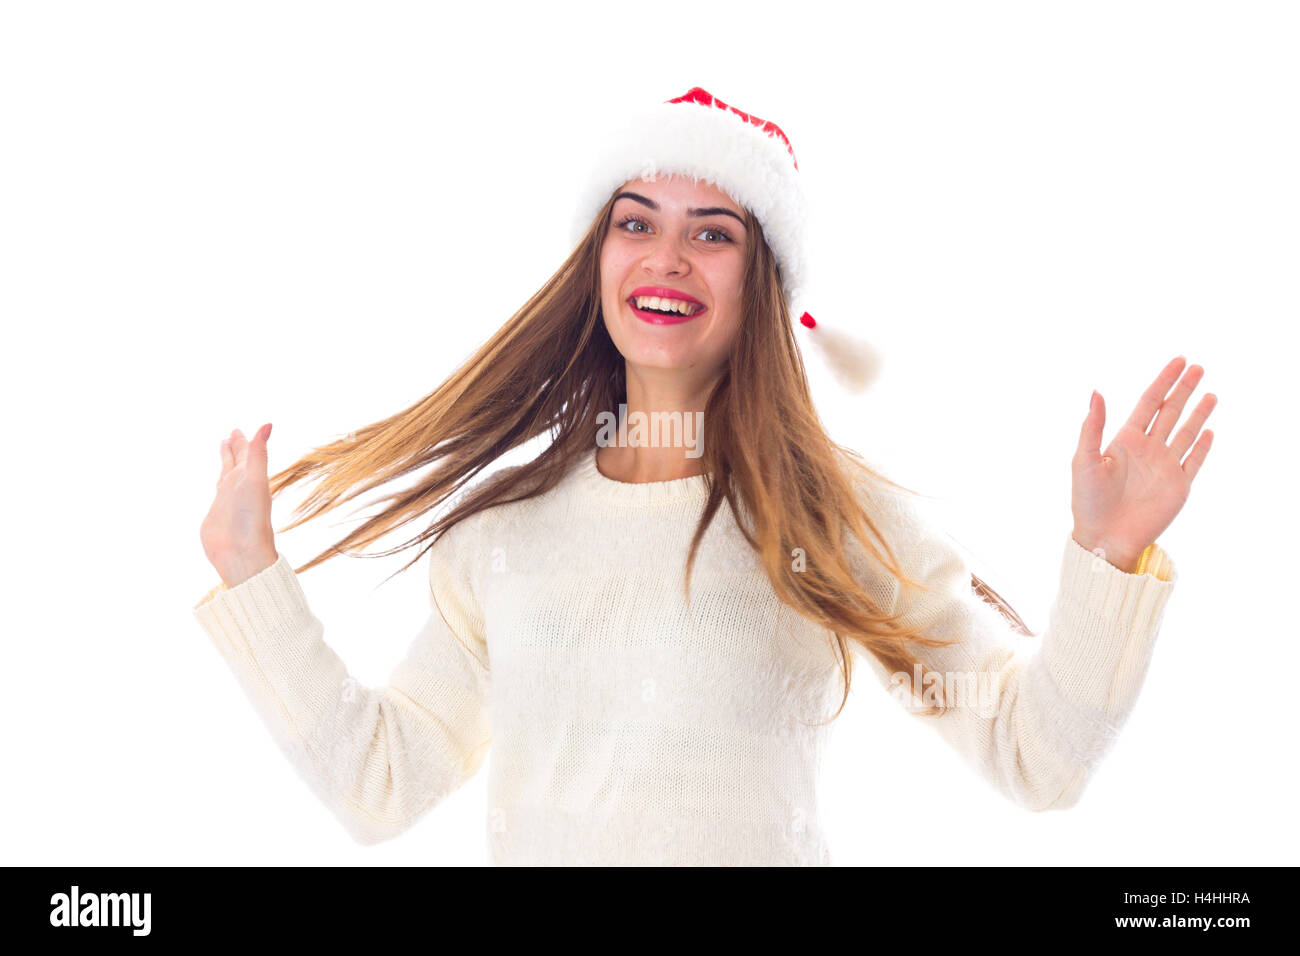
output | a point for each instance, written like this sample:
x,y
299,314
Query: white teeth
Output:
x,y
655,302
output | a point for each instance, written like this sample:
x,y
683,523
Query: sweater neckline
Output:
x,y
594,482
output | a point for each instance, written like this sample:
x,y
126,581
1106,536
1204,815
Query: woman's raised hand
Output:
x,y
1125,498
237,535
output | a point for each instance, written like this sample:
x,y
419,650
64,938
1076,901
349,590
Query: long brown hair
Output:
x,y
553,368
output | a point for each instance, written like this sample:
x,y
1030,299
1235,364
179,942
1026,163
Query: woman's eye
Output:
x,y
635,221
631,220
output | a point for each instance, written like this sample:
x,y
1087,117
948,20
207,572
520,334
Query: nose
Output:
x,y
667,256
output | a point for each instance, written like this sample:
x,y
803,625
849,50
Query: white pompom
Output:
x,y
854,363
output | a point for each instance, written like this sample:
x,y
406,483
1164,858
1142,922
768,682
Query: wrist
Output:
x,y
240,569
1120,556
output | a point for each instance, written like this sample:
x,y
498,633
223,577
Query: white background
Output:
x,y
221,214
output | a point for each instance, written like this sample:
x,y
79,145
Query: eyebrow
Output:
x,y
707,211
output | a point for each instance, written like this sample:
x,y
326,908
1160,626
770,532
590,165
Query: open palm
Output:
x,y
1124,499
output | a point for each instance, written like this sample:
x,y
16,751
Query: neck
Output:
x,y
660,438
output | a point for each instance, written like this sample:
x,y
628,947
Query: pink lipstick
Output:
x,y
662,318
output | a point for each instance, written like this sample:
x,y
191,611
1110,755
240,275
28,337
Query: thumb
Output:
x,y
257,448
1090,434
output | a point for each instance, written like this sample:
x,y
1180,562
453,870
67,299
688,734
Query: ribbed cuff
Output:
x,y
1085,678
265,630
1104,628
265,608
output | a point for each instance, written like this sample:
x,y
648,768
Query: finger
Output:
x,y
1183,439
238,446
227,457
1093,425
1172,407
1198,453
1149,403
256,461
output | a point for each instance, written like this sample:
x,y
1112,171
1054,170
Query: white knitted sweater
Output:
x,y
628,728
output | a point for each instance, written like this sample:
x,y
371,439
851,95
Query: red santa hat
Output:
x,y
752,161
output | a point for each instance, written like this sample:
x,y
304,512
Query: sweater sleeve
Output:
x,y
1033,715
379,757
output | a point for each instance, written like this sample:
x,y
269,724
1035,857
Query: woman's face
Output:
x,y
687,240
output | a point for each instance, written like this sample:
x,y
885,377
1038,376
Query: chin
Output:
x,y
657,358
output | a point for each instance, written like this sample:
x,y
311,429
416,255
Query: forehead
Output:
x,y
678,191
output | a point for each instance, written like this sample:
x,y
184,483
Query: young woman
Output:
x,y
655,673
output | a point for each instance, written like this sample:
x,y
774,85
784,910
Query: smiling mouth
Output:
x,y
665,316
